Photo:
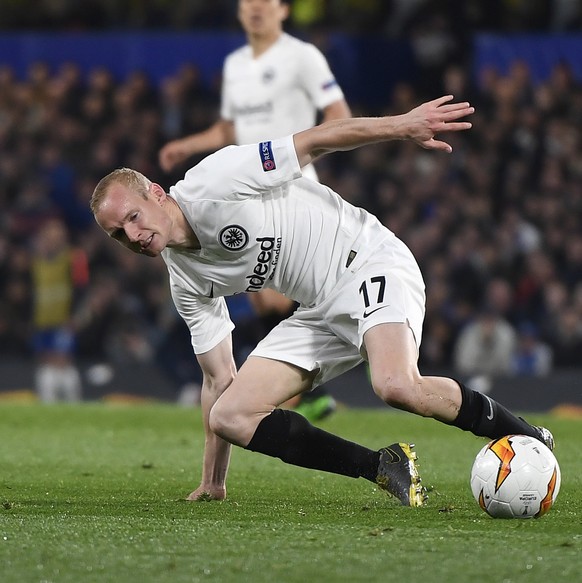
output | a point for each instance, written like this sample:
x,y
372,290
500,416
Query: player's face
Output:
x,y
262,17
140,224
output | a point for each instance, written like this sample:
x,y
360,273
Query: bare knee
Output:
x,y
231,423
224,422
400,390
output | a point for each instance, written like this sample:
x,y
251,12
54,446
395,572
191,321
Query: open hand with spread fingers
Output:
x,y
435,117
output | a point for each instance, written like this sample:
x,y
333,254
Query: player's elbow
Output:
x,y
217,378
214,386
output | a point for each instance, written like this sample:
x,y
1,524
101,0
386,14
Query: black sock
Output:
x,y
487,418
290,437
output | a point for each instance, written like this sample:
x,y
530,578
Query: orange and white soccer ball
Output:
x,y
515,476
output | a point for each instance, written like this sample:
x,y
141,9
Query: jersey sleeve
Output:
x,y
207,318
238,171
317,78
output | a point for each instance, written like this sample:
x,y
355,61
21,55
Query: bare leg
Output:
x,y
246,414
393,356
260,386
396,379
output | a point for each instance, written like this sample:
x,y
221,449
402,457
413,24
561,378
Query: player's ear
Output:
x,y
285,9
158,192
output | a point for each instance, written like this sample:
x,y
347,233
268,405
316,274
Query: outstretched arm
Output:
x,y
215,137
420,125
219,370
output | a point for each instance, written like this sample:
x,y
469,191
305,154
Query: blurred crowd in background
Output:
x,y
496,226
392,17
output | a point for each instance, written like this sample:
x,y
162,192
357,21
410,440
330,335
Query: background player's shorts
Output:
x,y
58,340
386,288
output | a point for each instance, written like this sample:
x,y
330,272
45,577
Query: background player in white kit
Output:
x,y
243,219
272,87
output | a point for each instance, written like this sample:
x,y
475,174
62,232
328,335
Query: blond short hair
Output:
x,y
132,179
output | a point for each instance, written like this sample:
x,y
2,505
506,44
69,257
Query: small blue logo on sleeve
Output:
x,y
266,153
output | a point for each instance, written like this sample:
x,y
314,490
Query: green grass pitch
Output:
x,y
95,492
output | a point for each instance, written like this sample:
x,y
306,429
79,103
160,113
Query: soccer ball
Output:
x,y
515,476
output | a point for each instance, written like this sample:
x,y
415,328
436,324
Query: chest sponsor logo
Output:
x,y
267,159
256,109
233,238
267,260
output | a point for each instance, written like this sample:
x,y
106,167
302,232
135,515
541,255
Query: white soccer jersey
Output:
x,y
277,94
261,225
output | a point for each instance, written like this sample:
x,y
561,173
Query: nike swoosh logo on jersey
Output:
x,y
366,314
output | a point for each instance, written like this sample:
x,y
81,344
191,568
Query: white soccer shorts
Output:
x,y
387,288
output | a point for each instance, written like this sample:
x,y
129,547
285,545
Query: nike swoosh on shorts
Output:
x,y
366,314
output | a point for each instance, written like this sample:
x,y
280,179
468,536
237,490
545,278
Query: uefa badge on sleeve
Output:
x,y
267,158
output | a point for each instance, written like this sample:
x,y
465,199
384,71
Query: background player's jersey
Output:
x,y
260,224
277,94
